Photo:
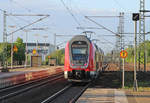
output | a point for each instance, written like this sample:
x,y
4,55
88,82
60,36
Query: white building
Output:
x,y
42,49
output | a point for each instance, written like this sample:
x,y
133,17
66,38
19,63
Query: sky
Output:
x,y
64,19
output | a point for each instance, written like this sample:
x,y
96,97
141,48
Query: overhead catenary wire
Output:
x,y
2,10
79,11
29,25
121,6
15,17
75,19
87,17
18,4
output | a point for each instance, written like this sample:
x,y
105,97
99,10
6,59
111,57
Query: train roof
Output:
x,y
80,38
84,38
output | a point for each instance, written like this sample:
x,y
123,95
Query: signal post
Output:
x,y
123,55
135,18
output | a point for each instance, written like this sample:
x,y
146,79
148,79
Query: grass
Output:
x,y
143,82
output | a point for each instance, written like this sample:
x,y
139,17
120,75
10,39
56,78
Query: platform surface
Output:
x,y
21,75
102,95
19,71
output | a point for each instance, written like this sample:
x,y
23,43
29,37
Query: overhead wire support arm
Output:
x,y
30,29
102,26
74,17
147,16
88,28
2,10
144,10
28,25
26,15
65,35
103,16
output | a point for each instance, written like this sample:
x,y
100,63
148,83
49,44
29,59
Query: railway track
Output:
x,y
10,92
57,91
68,94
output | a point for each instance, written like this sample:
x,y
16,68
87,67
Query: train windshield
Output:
x,y
79,53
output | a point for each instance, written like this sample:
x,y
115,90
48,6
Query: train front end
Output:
x,y
77,59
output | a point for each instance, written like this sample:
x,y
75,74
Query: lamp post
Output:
x,y
45,46
37,42
12,47
25,65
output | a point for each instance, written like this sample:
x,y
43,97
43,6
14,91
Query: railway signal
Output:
x,y
123,54
135,18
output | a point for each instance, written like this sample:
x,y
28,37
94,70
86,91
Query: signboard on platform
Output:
x,y
34,51
123,54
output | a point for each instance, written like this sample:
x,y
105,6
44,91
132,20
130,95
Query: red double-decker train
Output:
x,y
83,59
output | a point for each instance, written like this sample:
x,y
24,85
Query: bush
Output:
x,y
59,55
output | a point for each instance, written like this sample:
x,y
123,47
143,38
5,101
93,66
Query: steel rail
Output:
x,y
80,93
51,98
29,88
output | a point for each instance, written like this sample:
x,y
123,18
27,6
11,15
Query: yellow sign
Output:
x,y
123,54
15,48
34,51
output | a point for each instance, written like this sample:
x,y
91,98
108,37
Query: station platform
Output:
x,y
20,75
102,95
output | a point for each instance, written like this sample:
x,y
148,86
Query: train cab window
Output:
x,y
79,52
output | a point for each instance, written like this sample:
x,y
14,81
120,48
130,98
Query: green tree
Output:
x,y
130,57
130,51
19,56
1,52
8,52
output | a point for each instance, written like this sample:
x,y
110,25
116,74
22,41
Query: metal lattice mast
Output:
x,y
142,33
121,26
118,42
118,48
121,30
4,43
